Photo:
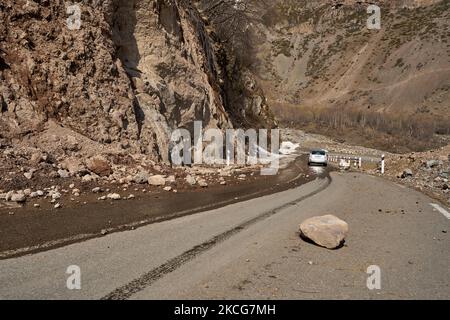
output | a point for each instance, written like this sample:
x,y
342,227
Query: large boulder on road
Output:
x,y
326,231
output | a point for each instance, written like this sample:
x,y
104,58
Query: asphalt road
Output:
x,y
31,230
252,250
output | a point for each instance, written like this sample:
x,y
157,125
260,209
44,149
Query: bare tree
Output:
x,y
233,21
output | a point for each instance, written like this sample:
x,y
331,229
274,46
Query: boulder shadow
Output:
x,y
308,240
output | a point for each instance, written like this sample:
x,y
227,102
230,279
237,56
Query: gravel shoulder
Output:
x,y
32,229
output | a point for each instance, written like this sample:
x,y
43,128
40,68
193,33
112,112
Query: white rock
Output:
x,y
63,173
18,197
88,178
96,190
157,180
191,180
55,195
141,177
202,183
28,175
114,196
9,195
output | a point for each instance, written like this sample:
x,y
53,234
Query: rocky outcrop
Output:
x,y
134,71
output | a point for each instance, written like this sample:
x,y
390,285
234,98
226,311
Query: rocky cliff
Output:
x,y
132,72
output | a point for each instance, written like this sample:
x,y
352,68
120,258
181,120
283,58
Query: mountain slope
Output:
x,y
329,58
323,69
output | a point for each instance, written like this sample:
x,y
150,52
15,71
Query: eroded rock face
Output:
x,y
133,72
326,231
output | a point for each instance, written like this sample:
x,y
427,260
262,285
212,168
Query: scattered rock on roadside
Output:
x,y
97,190
141,177
99,165
407,173
63,173
18,197
327,231
55,195
88,178
114,196
191,180
73,165
157,180
28,175
432,163
8,195
171,179
202,183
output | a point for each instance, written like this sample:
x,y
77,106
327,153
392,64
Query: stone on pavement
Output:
x,y
327,231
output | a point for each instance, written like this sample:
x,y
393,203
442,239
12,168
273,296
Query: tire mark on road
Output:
x,y
45,246
139,284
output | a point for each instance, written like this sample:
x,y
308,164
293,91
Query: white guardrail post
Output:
x,y
382,164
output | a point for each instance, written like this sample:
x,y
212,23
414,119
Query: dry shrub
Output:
x,y
391,132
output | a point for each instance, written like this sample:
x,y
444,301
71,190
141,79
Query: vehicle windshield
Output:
x,y
318,152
